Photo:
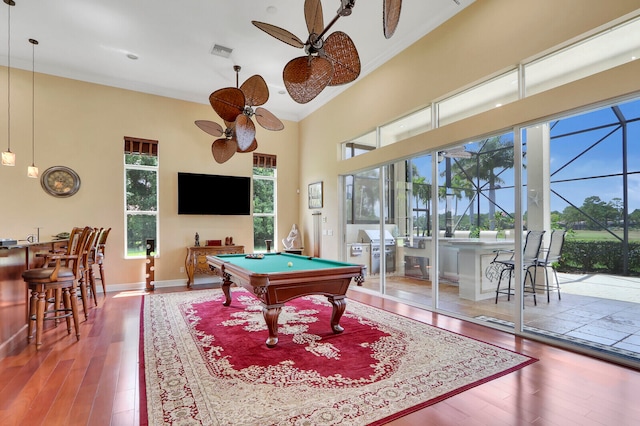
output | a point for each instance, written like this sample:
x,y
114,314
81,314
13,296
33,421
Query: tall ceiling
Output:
x,y
91,40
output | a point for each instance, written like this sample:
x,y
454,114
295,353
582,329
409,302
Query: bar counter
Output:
x,y
15,259
461,260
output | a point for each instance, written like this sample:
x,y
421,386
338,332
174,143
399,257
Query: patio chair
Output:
x,y
552,255
530,255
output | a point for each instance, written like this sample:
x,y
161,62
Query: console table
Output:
x,y
196,260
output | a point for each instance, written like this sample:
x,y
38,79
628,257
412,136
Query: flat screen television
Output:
x,y
213,194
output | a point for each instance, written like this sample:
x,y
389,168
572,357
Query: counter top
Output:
x,y
25,243
460,241
475,242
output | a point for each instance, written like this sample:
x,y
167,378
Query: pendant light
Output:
x,y
8,157
32,171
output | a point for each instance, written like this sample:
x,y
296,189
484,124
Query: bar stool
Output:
x,y
97,257
87,282
530,254
56,279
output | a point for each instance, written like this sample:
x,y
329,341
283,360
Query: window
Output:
x,y
476,187
482,97
363,196
264,200
141,195
610,48
406,127
359,146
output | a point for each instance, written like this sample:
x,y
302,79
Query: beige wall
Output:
x,y
485,39
82,125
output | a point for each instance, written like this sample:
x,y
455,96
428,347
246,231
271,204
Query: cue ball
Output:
x,y
290,264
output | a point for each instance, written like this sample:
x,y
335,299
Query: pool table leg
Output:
x,y
339,304
226,289
271,315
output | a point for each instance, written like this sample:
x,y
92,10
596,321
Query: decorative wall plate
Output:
x,y
60,181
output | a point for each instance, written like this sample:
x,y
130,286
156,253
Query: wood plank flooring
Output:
x,y
95,381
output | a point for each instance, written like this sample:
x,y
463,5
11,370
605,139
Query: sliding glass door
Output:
x,y
588,195
452,230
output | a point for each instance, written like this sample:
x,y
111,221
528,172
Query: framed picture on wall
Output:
x,y
315,195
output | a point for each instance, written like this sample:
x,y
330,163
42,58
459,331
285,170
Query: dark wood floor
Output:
x,y
95,381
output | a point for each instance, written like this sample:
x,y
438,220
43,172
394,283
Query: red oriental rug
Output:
x,y
208,364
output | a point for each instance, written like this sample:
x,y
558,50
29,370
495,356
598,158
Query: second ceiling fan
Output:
x,y
235,105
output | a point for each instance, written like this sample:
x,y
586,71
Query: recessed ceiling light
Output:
x,y
132,56
281,92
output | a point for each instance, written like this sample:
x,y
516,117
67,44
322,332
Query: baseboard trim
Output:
x,y
115,288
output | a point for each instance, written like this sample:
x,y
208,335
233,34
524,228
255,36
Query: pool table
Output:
x,y
276,278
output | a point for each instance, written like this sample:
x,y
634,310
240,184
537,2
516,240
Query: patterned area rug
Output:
x,y
208,364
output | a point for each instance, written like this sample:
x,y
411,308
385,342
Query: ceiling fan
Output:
x,y
235,105
390,16
328,62
455,152
223,148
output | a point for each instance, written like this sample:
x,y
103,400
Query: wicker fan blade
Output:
x,y
227,102
267,120
252,147
313,16
279,33
223,149
211,127
255,91
390,16
342,52
306,77
245,132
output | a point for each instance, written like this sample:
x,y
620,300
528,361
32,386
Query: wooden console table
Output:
x,y
196,260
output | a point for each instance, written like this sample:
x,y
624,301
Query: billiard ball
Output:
x,y
290,264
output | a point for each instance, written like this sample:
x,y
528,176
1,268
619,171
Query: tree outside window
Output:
x,y
264,202
141,202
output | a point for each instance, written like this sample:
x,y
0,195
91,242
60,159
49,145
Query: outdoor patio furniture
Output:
x,y
552,255
530,256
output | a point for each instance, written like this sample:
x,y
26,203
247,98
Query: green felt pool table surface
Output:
x,y
278,262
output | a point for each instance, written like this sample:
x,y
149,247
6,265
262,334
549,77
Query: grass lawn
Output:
x,y
585,235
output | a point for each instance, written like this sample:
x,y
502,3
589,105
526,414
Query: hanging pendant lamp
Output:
x,y
32,170
8,157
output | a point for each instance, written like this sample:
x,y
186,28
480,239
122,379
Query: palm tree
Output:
x,y
473,176
421,193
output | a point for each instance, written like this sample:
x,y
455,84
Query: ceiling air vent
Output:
x,y
222,51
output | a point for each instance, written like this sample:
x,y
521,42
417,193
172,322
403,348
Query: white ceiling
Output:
x,y
89,40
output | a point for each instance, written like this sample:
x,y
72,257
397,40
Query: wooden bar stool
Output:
x,y
96,257
56,279
87,282
99,257
43,280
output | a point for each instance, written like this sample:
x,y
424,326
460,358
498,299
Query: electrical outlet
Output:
x,y
182,269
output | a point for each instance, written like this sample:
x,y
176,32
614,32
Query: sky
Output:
x,y
575,154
